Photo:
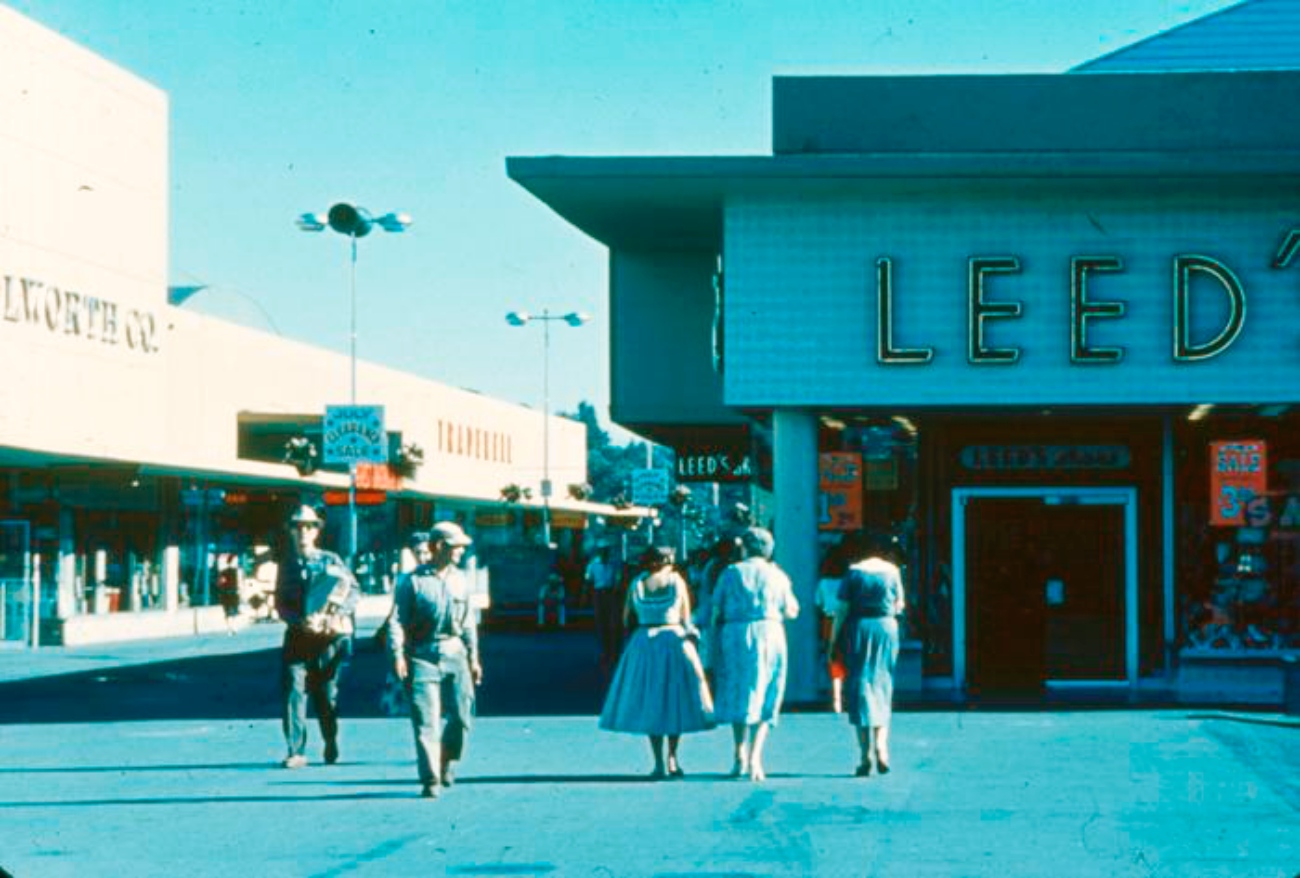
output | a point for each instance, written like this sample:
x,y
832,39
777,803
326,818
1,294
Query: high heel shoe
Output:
x,y
863,770
882,765
756,773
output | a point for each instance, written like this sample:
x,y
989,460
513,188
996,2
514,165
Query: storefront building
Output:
x,y
1043,330
141,442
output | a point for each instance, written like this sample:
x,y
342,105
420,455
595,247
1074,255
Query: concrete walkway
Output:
x,y
1111,793
1060,793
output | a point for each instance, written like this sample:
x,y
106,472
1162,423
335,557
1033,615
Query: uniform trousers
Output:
x,y
438,686
312,663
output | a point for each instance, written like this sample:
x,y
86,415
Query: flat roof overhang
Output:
x,y
676,202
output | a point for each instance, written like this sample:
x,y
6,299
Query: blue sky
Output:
x,y
283,107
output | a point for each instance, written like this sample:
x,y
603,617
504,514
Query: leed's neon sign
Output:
x,y
1084,310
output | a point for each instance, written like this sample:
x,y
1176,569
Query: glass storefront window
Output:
x,y
1239,535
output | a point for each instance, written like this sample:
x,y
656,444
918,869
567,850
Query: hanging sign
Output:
x,y
839,478
1238,475
355,434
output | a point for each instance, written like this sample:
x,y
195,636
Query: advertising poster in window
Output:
x,y
840,496
1238,474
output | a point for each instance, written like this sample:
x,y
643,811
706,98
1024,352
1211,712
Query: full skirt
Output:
x,y
658,687
870,652
749,669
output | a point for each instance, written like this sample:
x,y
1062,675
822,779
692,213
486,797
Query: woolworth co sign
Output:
x,y
355,434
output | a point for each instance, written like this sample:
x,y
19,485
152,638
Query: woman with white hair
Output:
x,y
752,600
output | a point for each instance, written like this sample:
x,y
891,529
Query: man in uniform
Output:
x,y
316,597
433,642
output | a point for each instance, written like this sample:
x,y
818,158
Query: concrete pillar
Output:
x,y
100,574
795,488
171,578
67,567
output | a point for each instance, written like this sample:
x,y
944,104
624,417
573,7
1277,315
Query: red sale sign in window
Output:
x,y
840,484
1238,474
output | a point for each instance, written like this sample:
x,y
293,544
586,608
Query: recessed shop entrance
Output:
x,y
1044,589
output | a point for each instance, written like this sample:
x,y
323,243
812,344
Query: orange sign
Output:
x,y
839,477
1238,474
364,498
377,477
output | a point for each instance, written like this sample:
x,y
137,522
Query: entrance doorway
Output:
x,y
1044,589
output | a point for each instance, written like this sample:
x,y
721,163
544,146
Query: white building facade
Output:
x,y
140,441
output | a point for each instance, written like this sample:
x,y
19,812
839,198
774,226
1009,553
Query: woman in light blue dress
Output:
x,y
658,688
866,627
752,600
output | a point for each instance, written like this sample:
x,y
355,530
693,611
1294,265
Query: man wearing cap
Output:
x,y
316,596
433,642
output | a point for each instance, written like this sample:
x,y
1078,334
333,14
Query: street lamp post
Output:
x,y
523,318
355,222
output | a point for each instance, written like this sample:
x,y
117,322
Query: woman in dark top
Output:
x,y
870,599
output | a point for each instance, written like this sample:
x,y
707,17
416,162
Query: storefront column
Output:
x,y
171,578
794,484
67,570
1167,513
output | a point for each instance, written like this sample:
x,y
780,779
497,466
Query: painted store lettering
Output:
x,y
1085,309
32,302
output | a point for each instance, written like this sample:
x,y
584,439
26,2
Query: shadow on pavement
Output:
x,y
550,673
201,800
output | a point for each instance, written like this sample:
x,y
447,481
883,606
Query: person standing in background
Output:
x,y
602,578
433,643
828,601
752,601
315,596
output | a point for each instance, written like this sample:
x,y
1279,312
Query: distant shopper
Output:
x,y
551,600
433,643
724,553
658,689
866,625
602,578
828,601
316,596
753,599
229,584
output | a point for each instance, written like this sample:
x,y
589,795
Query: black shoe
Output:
x,y
331,752
429,791
882,766
864,770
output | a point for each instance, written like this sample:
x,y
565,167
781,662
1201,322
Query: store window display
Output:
x,y
1241,539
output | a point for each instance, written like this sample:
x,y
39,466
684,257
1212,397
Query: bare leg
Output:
x,y
756,751
673,768
837,695
657,749
882,747
741,766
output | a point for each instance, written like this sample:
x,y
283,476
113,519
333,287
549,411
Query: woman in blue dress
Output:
x,y
866,628
658,688
752,600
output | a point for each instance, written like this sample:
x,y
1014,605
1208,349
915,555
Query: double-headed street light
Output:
x,y
523,318
355,222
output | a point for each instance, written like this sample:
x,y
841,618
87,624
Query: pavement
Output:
x,y
183,779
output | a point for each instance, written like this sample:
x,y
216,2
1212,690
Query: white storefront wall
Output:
x,y
98,366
